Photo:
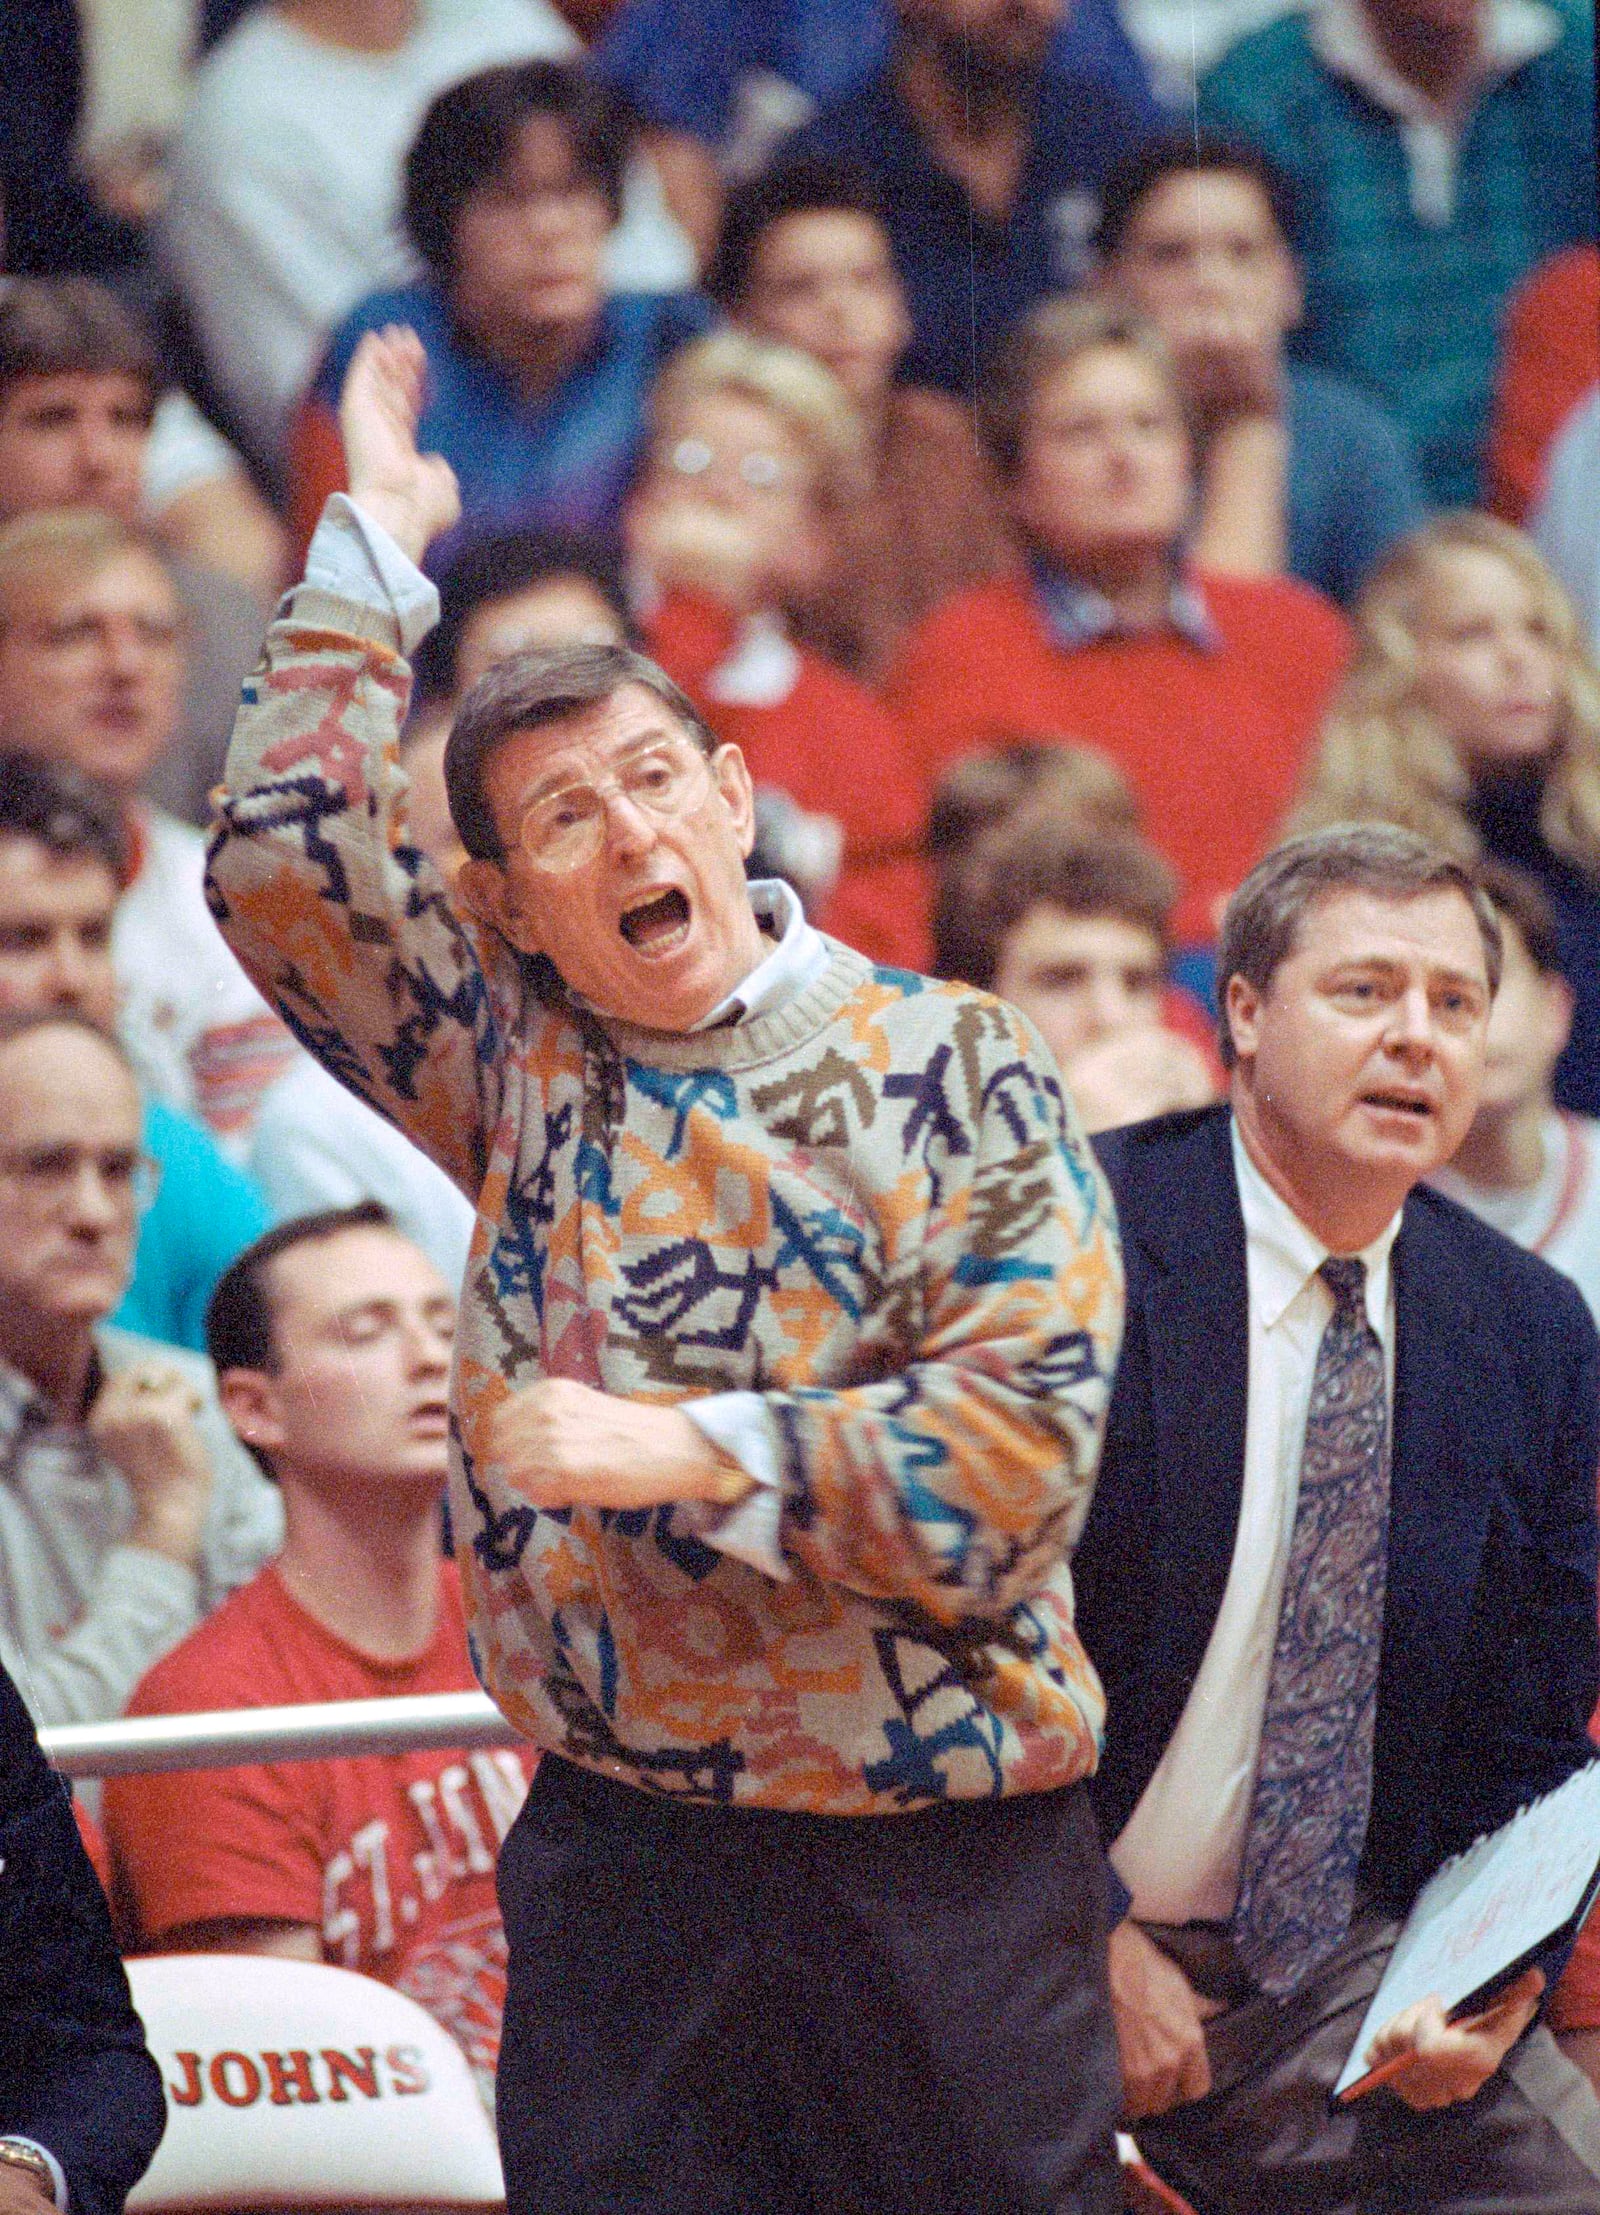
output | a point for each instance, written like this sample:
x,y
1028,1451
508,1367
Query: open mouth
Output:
x,y
1400,1103
657,926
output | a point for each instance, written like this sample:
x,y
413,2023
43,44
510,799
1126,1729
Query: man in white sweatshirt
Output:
x,y
1527,1167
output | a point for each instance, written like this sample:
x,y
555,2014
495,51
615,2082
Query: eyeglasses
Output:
x,y
47,1177
692,457
562,830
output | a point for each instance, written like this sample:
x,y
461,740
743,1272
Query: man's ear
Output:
x,y
1242,1008
1294,296
732,773
482,889
250,1402
1560,1006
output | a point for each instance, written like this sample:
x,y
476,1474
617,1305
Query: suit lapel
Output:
x,y
1450,1441
1197,1307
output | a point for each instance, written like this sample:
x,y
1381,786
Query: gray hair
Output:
x,y
18,1023
524,693
1262,925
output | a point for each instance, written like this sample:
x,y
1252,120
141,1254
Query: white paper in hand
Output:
x,y
1490,1908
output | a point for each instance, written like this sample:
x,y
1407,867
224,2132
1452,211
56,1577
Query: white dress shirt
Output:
x,y
1180,1850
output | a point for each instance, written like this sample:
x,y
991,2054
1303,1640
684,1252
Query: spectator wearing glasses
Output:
x,y
537,379
756,456
91,670
126,1507
284,207
1296,469
84,424
63,856
805,260
331,1339
1204,690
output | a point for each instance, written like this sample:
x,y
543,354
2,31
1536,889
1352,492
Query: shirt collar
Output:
x,y
1285,1255
24,1407
797,960
760,671
1077,615
1515,31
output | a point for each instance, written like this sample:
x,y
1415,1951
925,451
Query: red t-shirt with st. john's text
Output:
x,y
389,1856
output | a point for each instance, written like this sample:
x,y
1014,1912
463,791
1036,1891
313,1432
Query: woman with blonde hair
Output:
x,y
1471,714
754,452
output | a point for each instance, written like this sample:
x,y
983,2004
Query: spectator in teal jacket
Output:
x,y
1438,149
61,863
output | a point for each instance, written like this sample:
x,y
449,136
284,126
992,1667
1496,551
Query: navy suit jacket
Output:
x,y
1488,1667
75,2073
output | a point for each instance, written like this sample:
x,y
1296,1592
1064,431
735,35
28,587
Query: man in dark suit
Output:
x,y
81,2104
1337,1646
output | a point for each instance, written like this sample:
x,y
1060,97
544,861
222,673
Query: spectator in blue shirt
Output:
x,y
537,379
1438,149
988,158
62,859
1298,468
710,73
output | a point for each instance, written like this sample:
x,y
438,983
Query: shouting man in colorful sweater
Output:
x,y
785,1348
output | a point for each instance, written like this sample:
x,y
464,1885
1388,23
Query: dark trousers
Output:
x,y
1266,2138
735,2012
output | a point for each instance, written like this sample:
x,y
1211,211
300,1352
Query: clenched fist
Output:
x,y
144,1422
560,1444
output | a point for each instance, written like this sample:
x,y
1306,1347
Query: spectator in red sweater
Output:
x,y
1204,690
1549,361
755,451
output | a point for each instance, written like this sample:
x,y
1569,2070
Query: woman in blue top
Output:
x,y
537,379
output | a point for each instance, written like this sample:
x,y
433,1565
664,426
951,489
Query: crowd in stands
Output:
x,y
1065,444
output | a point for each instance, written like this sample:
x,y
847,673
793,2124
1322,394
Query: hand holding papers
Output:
x,y
1482,1920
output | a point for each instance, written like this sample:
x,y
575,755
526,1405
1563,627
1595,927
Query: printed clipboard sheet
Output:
x,y
1492,1907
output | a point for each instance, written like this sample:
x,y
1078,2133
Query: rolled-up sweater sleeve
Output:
x,y
341,921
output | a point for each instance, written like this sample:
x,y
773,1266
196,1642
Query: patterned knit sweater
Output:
x,y
868,1205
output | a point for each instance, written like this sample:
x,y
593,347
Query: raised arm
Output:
x,y
343,924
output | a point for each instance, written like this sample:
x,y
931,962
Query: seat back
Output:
x,y
290,2084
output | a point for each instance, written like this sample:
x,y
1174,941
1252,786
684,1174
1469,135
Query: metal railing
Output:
x,y
223,1738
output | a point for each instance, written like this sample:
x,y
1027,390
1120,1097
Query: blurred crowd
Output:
x,y
1064,443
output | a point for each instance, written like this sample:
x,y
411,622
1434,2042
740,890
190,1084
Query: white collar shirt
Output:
x,y
1514,32
1180,1851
